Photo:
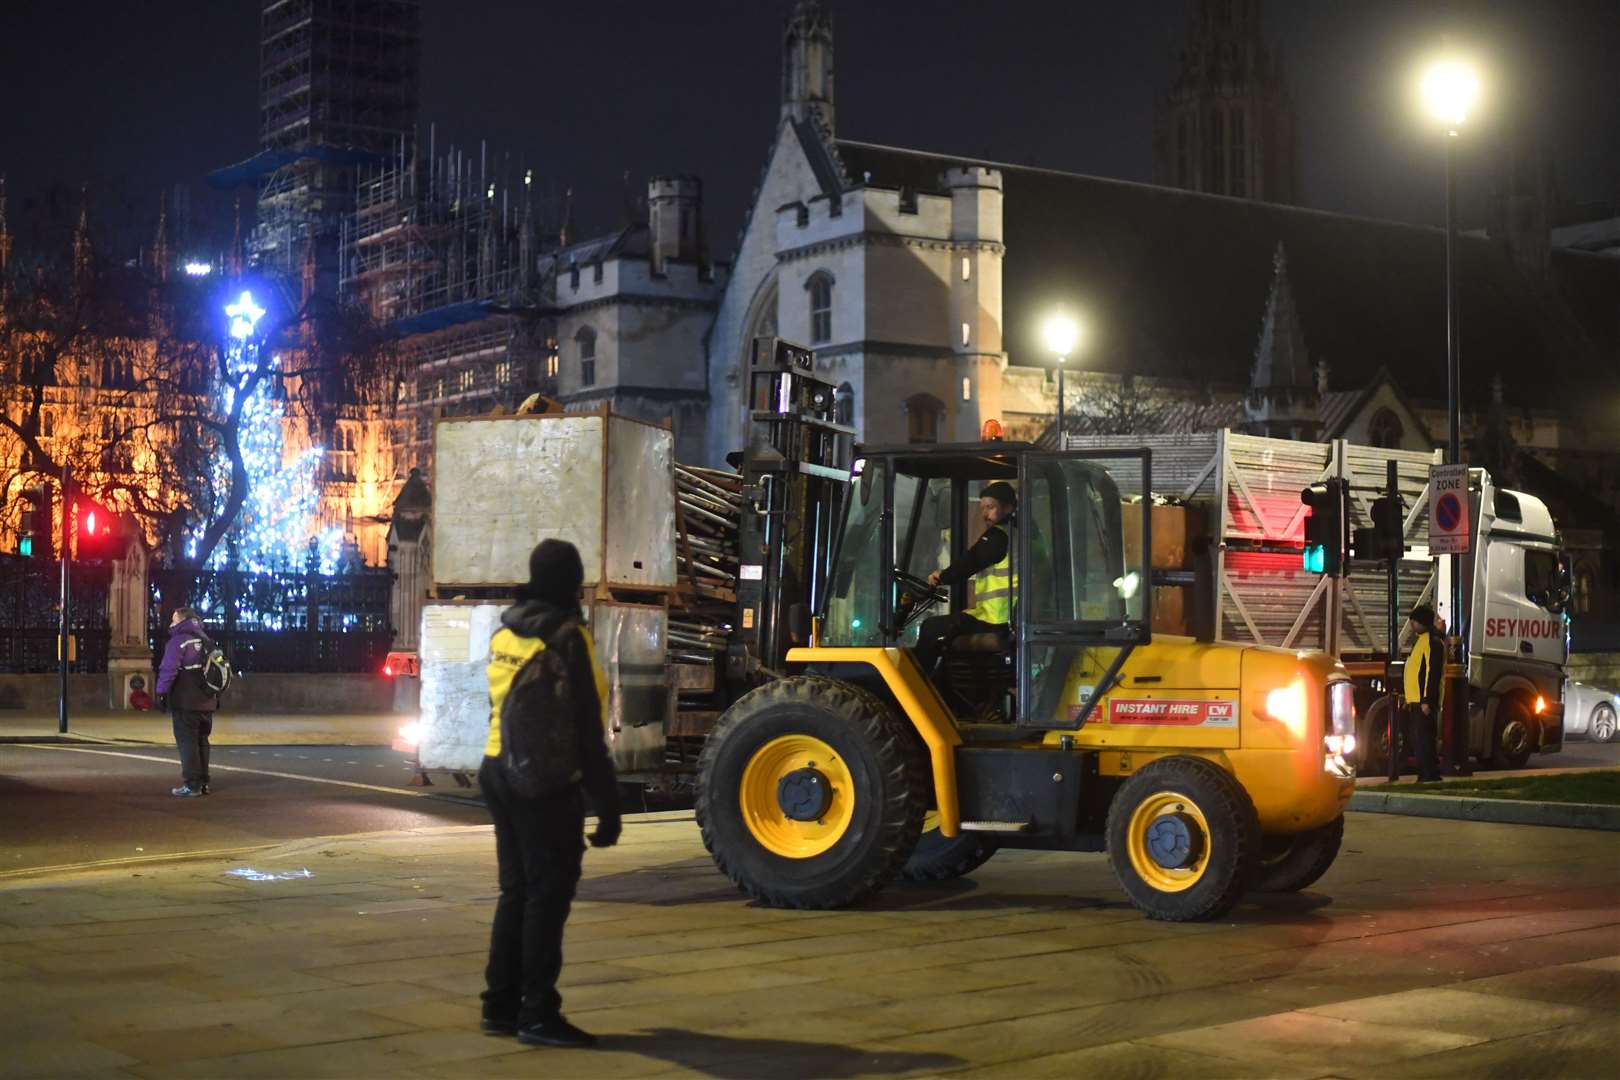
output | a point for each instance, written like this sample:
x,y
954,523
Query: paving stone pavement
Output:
x,y
1432,948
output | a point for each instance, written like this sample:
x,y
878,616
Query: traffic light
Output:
x,y
98,531
1387,537
1326,526
34,527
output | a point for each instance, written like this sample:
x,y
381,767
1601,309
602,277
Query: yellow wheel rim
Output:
x,y
1164,804
763,813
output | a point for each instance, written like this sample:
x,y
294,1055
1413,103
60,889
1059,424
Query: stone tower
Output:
x,y
975,298
675,219
807,65
1283,401
1227,125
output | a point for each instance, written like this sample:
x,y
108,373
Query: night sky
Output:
x,y
134,96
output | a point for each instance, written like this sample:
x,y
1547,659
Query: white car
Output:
x,y
1590,712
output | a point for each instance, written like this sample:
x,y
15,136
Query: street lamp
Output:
x,y
1450,88
1061,334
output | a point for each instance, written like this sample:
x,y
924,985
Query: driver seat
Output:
x,y
979,669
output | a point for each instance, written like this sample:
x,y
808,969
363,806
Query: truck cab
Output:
x,y
1516,580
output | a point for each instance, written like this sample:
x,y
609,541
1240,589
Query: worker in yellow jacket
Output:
x,y
543,675
1425,671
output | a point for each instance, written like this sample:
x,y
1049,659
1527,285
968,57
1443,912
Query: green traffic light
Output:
x,y
1316,558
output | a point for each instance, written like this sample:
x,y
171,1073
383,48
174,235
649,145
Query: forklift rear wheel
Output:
x,y
940,858
811,793
1373,739
1292,863
1183,840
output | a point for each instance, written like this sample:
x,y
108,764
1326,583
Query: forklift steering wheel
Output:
x,y
916,597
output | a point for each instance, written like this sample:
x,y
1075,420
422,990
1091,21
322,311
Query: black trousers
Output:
x,y
936,632
539,847
191,730
1420,735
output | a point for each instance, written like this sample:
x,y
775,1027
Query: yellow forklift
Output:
x,y
1202,770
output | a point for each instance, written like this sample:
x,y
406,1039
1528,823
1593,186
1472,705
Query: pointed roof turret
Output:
x,y
1280,358
162,254
1283,399
567,222
84,250
807,66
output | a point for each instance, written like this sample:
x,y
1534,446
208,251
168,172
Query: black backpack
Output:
x,y
539,735
212,670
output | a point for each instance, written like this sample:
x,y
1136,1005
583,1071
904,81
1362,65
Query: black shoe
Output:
x,y
207,788
558,1032
495,1025
186,791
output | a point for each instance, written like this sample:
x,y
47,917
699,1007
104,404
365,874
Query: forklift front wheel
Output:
x,y
811,793
1183,840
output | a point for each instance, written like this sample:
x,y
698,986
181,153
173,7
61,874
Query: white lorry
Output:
x,y
1237,576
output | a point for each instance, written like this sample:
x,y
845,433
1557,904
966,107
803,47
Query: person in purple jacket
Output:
x,y
180,689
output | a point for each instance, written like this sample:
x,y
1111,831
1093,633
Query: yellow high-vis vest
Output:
x,y
993,589
1419,672
508,652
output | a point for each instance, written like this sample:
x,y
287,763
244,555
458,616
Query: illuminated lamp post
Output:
x,y
1450,87
1061,333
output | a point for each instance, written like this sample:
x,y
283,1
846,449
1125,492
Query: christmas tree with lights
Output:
x,y
274,528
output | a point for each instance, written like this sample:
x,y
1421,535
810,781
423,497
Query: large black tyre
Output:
x,y
1372,740
1514,734
941,858
1188,808
856,743
1292,863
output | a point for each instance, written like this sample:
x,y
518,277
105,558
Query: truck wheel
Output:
x,y
1603,726
1292,863
1372,740
1183,840
811,793
941,858
1514,737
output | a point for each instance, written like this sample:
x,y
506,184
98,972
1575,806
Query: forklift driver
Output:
x,y
991,557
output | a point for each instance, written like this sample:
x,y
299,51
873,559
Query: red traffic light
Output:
x,y
98,531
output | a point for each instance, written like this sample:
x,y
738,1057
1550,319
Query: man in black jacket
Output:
x,y
538,844
1425,676
191,704
990,556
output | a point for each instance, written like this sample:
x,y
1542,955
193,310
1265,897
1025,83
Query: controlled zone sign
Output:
x,y
1448,510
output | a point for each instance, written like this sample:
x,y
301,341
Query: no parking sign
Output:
x,y
1448,510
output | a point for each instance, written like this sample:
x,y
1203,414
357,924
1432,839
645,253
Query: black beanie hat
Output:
x,y
1423,615
555,573
1001,491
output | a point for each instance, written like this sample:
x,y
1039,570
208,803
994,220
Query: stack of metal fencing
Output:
x,y
709,505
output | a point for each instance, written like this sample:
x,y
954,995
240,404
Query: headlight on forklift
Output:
x,y
1339,734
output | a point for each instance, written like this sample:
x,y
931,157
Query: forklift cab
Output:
x,y
1081,592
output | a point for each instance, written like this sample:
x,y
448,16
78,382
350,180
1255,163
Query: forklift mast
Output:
x,y
795,469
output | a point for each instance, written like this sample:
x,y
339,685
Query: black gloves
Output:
x,y
607,832
163,702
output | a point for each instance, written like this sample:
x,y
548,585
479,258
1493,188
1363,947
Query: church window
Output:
x,y
47,420
1240,182
503,371
596,273
923,414
586,340
844,404
464,380
967,333
1386,430
438,388
1215,181
967,268
821,286
967,389
551,364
